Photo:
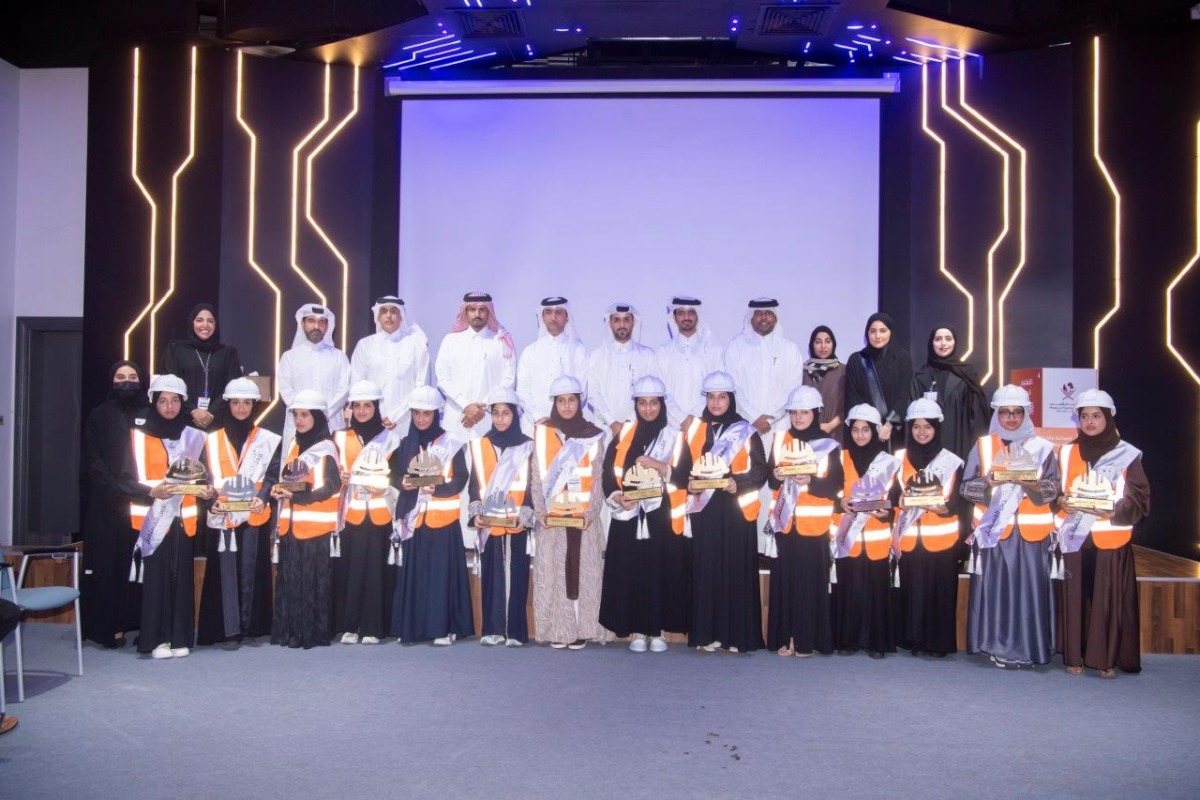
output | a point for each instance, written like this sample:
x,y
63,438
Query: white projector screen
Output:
x,y
638,199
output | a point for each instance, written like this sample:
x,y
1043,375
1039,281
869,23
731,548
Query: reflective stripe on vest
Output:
x,y
313,519
1036,522
150,458
483,464
811,515
438,512
223,464
359,504
1105,534
937,533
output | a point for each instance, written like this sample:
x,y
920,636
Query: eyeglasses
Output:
x,y
1012,412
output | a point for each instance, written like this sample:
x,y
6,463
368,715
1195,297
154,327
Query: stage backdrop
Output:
x,y
638,199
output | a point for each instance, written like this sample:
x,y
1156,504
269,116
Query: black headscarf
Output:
x,y
371,428
416,441
237,430
511,437
645,434
878,353
725,420
863,456
1091,448
964,371
812,432
159,426
127,395
318,432
817,367
919,455
204,345
577,427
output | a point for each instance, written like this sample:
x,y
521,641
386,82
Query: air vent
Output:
x,y
794,20
488,24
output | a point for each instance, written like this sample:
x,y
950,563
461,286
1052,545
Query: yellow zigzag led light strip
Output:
x,y
1021,213
154,303
991,256
308,198
251,228
1112,187
942,213
296,192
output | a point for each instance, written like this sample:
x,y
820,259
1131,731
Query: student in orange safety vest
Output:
x,y
1100,618
726,606
645,588
363,581
501,461
167,522
798,611
236,597
1011,616
432,600
307,519
927,536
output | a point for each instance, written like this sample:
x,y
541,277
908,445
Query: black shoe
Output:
x,y
876,654
847,651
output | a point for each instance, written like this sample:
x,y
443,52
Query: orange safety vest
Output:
x,y
676,495
438,512
876,533
937,533
748,500
812,514
546,445
150,457
1105,534
483,464
359,505
314,519
1036,522
223,463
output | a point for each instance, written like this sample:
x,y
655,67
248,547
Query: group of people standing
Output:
x,y
360,500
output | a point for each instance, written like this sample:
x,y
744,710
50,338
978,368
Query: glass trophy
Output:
x,y
237,494
1014,464
187,476
499,512
1091,491
425,469
797,458
922,490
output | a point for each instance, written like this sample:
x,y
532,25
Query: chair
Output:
x,y
43,598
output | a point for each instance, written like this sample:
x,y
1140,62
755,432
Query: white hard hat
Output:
x,y
648,386
924,408
565,384
168,383
310,399
1011,395
502,394
242,389
425,398
1096,398
866,412
365,390
717,382
804,398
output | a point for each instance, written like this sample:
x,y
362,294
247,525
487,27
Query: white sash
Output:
x,y
562,469
444,448
727,445
883,469
942,466
1076,528
1006,498
255,458
163,512
789,493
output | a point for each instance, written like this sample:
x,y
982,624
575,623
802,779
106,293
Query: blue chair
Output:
x,y
43,598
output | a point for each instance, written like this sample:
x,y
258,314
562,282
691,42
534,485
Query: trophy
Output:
x,y
1093,492
371,470
797,458
922,490
641,483
564,513
296,476
1014,464
499,512
236,494
187,476
869,494
425,470
710,472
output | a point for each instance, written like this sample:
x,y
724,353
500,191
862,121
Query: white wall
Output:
x,y
43,158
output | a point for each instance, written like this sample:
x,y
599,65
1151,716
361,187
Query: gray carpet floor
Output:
x,y
412,721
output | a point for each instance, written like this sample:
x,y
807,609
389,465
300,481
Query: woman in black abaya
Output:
x,y
880,375
206,366
953,385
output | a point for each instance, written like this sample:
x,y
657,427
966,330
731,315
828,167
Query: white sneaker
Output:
x,y
370,640
491,640
637,643
711,647
658,645
443,641
180,652
349,638
162,651
512,643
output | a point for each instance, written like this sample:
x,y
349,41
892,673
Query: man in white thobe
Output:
x,y
765,366
395,358
314,363
615,365
476,357
691,353
557,351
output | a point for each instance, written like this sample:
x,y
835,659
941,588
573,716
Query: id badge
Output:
x,y
202,402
